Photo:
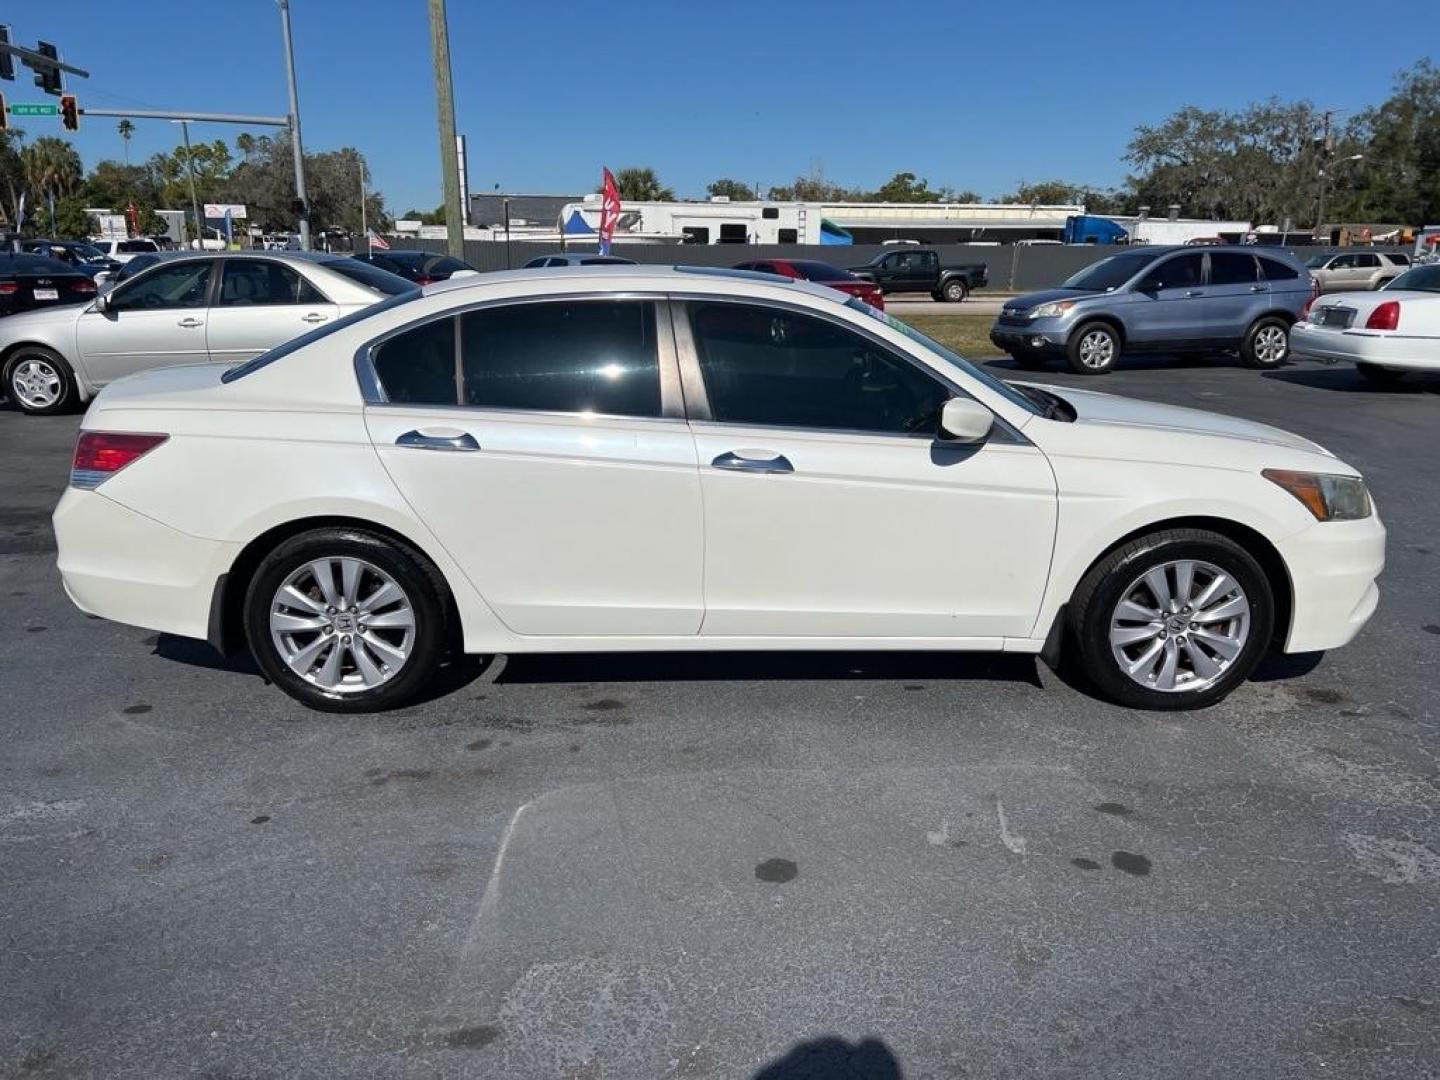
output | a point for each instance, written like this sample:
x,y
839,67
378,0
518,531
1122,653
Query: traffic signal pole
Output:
x,y
302,202
445,114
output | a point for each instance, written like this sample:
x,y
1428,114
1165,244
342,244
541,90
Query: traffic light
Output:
x,y
7,62
47,76
4,114
69,113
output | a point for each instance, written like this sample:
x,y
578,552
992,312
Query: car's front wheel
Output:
x,y
1266,343
39,381
954,291
1173,620
1093,349
1380,376
345,620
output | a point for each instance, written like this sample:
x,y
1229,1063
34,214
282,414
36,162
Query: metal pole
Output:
x,y
506,204
445,115
296,147
194,199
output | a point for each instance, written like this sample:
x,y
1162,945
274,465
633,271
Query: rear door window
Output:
x,y
1275,270
1232,268
257,282
1181,272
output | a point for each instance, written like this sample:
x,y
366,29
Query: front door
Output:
x,y
831,509
1169,307
543,443
262,303
155,320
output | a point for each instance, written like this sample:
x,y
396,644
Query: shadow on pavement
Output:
x,y
1136,362
765,666
1344,378
832,1058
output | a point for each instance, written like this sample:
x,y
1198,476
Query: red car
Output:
x,y
821,273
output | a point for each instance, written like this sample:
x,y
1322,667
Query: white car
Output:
x,y
1384,334
123,250
185,309
645,458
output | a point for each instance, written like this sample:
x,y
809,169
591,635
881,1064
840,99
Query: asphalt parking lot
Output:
x,y
730,866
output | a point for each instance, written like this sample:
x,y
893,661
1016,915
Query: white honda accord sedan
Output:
x,y
641,458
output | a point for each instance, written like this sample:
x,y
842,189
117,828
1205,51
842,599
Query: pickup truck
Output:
x,y
920,270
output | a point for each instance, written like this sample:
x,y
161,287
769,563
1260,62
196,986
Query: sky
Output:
x,y
978,97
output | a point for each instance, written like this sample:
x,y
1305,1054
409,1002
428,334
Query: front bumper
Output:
x,y
1040,336
1389,350
1333,566
121,565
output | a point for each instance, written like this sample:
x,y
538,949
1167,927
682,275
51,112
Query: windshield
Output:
x,y
87,251
372,277
295,344
1112,272
1316,261
1000,386
1419,278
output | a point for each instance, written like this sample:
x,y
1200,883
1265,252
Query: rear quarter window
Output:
x,y
1275,270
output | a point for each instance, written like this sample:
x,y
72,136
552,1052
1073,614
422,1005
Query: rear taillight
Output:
x,y
99,455
8,288
82,285
1314,295
1386,316
425,279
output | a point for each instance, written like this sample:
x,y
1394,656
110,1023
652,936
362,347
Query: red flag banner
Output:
x,y
609,209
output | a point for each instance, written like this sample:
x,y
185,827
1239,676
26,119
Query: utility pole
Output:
x,y
445,114
364,230
1326,149
302,201
194,199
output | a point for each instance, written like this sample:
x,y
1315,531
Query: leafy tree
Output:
x,y
12,172
427,217
1045,193
734,190
641,184
965,195
71,220
814,188
115,185
1399,180
51,168
265,182
904,187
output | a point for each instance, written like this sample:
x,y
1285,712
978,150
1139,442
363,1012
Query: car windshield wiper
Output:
x,y
1052,406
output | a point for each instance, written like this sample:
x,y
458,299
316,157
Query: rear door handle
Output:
x,y
1195,292
448,439
313,318
756,461
1259,288
191,323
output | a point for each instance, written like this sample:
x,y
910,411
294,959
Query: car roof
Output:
x,y
618,276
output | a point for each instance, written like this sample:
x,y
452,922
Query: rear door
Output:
x,y
262,303
544,443
154,320
1234,295
1169,307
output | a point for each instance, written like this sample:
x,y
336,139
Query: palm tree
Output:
x,y
52,168
642,185
126,129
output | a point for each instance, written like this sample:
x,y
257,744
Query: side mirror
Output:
x,y
963,420
102,303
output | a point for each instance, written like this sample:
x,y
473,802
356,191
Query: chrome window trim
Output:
x,y
672,405
698,401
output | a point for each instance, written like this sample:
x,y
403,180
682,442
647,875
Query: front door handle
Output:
x,y
1195,292
1259,288
450,440
313,317
191,323
756,461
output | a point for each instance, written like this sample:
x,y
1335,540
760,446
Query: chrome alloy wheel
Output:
x,y
1179,626
342,624
36,382
1271,344
1097,349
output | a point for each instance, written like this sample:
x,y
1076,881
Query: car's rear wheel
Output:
x,y
344,620
1266,344
1380,376
954,291
1173,620
39,381
1093,349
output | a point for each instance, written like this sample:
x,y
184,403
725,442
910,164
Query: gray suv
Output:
x,y
1161,299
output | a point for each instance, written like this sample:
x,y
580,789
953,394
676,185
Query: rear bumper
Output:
x,y
121,565
1333,566
1390,350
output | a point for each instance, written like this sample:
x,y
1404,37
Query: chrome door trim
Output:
x,y
418,440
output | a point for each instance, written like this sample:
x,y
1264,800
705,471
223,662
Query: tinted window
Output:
x,y
1342,262
1180,272
1367,261
135,265
418,366
33,264
176,285
819,271
537,262
136,245
1423,278
1275,270
372,277
1110,273
565,356
445,265
1232,268
1403,260
783,369
248,282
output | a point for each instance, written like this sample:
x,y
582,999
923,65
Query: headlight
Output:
x,y
1327,496
1052,310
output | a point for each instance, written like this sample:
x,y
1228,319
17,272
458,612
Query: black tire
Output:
x,y
1088,340
1028,359
409,569
30,360
1094,603
1257,348
954,291
1380,376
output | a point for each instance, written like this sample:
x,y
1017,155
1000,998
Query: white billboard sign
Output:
x,y
217,210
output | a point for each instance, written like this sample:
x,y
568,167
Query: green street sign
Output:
x,y
34,108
